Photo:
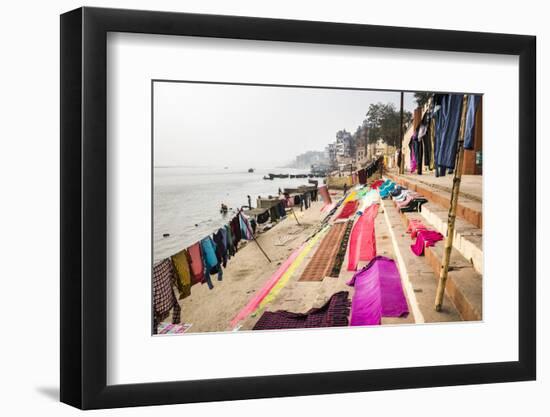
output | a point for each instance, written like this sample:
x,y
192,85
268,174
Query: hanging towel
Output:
x,y
221,249
236,229
245,228
197,265
210,260
229,241
473,102
378,293
323,191
164,298
181,262
448,125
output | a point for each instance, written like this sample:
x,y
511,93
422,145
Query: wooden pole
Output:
x,y
293,212
444,271
254,237
402,161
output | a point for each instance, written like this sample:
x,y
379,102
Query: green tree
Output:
x,y
383,123
422,97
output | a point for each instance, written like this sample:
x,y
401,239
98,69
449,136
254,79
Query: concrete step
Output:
x,y
468,239
464,283
419,280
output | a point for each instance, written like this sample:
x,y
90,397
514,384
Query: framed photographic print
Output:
x,y
256,207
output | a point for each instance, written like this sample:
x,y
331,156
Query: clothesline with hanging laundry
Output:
x,y
433,143
210,255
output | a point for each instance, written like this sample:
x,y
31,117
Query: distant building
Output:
x,y
330,152
309,158
360,156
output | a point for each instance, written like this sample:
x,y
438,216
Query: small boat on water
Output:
x,y
250,169
267,178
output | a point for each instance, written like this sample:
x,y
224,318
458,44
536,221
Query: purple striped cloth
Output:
x,y
333,313
378,293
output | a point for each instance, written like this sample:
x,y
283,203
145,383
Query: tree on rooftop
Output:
x,y
422,97
383,123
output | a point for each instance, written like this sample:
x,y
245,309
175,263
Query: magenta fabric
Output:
x,y
378,293
425,238
362,245
414,227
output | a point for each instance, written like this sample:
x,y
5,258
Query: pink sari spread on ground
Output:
x,y
425,238
378,293
362,244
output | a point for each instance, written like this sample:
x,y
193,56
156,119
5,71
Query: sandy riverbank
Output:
x,y
212,310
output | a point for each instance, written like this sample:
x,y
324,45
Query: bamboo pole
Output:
x,y
444,271
254,237
295,217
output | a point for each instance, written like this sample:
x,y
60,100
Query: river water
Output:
x,y
186,201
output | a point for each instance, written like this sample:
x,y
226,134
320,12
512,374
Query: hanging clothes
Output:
x,y
362,174
223,231
182,266
262,218
164,299
229,241
447,129
236,229
197,265
210,260
473,102
432,144
419,155
412,154
325,196
221,249
281,209
246,230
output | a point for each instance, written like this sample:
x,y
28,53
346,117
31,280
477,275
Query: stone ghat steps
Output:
x,y
464,283
418,278
468,239
468,208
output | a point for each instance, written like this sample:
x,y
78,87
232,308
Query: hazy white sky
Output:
x,y
253,126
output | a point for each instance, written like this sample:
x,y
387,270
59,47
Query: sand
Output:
x,y
212,310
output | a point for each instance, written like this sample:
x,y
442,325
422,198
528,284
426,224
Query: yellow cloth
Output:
x,y
351,196
291,269
182,267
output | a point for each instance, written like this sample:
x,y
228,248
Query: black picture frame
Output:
x,y
84,207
